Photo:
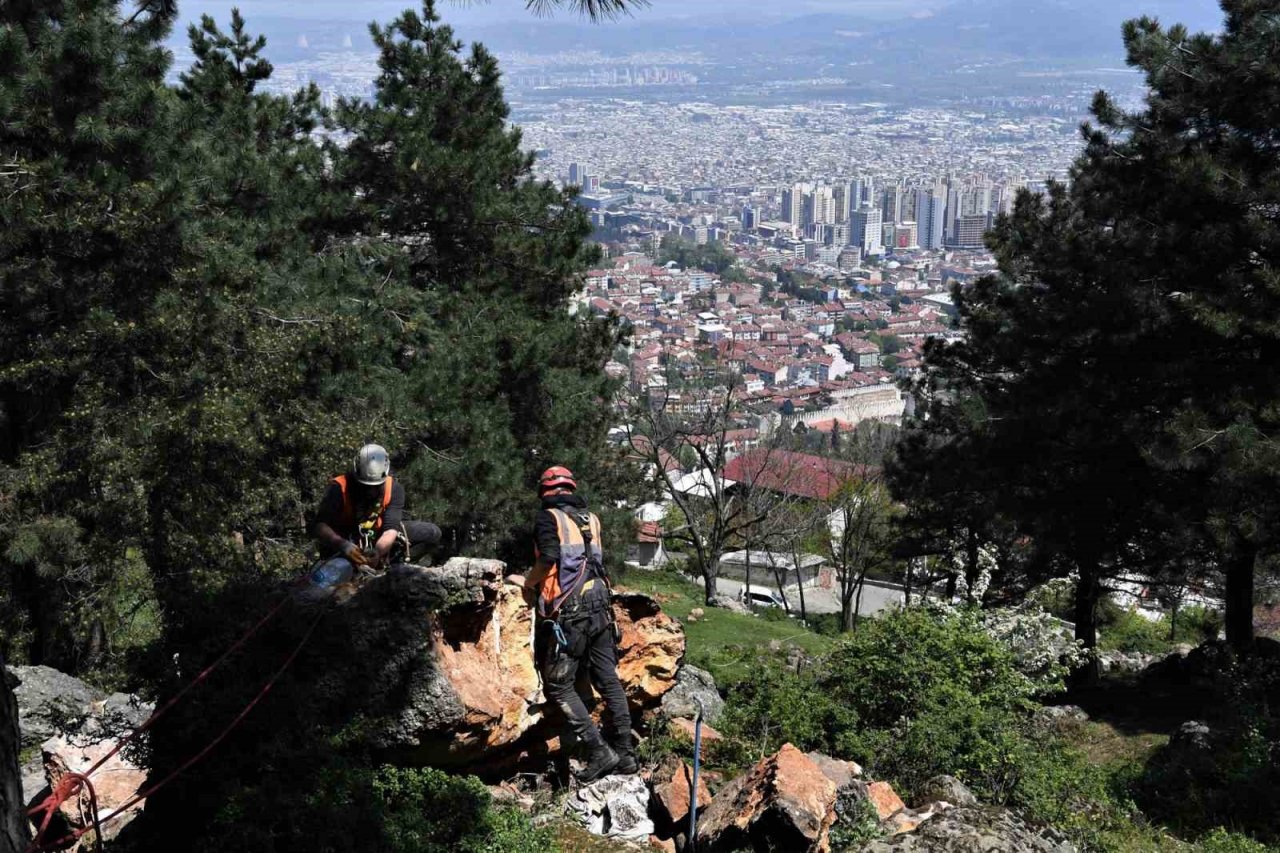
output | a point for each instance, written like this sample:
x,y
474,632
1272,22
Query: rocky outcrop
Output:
x,y
650,651
694,685
947,789
783,803
973,830
66,726
115,783
438,662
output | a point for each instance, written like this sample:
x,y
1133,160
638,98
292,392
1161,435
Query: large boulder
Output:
x,y
437,662
694,685
650,651
783,803
55,706
946,789
115,783
74,725
973,830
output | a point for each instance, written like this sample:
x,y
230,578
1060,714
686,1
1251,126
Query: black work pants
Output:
x,y
421,535
591,661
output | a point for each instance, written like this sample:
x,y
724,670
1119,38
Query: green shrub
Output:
x,y
1127,631
1222,841
397,810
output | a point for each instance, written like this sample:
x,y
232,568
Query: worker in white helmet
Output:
x,y
361,515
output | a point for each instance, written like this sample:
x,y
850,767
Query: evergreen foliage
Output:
x,y
206,307
1110,401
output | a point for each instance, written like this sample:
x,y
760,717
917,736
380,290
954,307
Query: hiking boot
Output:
x,y
627,762
600,763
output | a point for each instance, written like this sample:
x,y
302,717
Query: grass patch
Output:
x,y
723,643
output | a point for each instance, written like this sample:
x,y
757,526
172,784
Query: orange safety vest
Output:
x,y
349,510
577,564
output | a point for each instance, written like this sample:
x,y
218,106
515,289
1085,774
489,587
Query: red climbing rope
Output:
x,y
68,786
71,784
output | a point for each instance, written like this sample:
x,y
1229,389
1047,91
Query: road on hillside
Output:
x,y
817,600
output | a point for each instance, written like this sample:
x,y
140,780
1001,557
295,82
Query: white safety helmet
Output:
x,y
372,465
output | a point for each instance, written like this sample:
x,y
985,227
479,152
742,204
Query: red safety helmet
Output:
x,y
555,477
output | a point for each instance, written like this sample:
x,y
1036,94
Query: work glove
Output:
x,y
353,553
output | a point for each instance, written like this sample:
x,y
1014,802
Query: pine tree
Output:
x,y
501,379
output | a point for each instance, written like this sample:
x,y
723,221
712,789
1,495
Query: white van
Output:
x,y
760,596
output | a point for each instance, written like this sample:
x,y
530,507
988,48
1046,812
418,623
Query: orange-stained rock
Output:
x,y
666,845
885,799
651,648
491,671
783,803
682,728
671,781
115,783
489,664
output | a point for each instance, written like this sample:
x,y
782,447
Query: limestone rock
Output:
x,y
684,728
50,702
733,605
439,661
650,651
885,799
947,789
115,783
693,684
842,773
973,830
671,781
783,803
613,807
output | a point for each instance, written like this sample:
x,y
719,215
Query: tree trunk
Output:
x,y
709,584
1239,615
971,564
1088,593
953,582
14,835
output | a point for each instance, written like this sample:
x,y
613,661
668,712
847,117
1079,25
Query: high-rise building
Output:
x,y
793,204
931,216
866,230
906,236
865,194
748,218
577,174
820,207
970,230
891,204
841,193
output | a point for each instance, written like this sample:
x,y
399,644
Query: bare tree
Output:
x,y
699,425
861,537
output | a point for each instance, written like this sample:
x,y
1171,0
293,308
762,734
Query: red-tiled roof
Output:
x,y
790,473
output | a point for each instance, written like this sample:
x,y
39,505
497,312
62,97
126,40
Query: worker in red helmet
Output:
x,y
576,634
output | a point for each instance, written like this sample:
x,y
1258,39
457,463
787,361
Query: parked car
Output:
x,y
760,596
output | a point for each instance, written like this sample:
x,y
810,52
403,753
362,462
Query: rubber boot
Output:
x,y
600,763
